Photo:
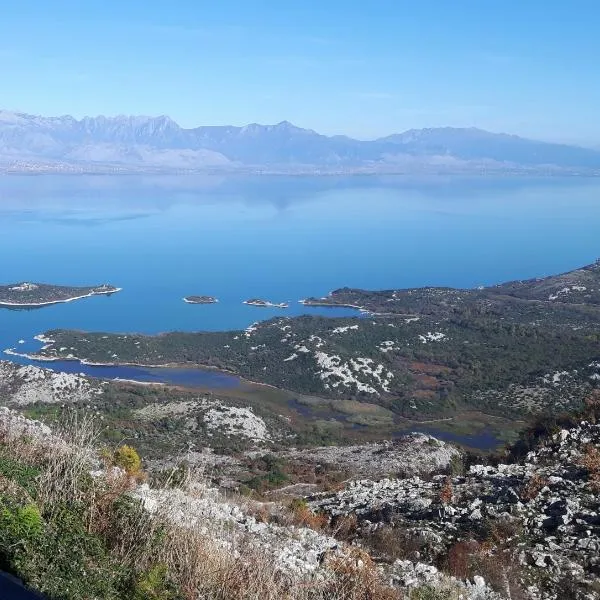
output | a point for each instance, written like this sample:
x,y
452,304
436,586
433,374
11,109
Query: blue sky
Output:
x,y
362,68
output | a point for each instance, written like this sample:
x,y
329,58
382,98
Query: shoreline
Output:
x,y
41,358
51,302
325,304
188,301
266,304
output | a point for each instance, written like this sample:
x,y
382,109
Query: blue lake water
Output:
x,y
279,238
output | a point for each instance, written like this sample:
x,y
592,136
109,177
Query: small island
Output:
x,y
36,295
265,303
200,300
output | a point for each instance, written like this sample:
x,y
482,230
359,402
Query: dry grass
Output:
x,y
532,488
498,566
447,492
345,527
357,578
591,462
203,560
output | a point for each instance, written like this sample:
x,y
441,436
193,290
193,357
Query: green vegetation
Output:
x,y
39,294
128,459
511,350
76,536
60,529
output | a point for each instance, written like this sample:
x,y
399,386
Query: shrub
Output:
x,y
154,584
447,492
456,466
22,474
58,556
503,532
591,462
460,558
394,542
298,504
356,577
428,592
128,459
502,572
302,516
21,523
533,487
345,527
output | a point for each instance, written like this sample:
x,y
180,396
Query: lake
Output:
x,y
280,238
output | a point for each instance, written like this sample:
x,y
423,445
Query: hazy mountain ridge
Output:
x,y
29,142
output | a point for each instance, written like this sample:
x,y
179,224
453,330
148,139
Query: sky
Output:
x,y
364,69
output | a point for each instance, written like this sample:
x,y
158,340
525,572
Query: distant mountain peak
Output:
x,y
138,140
287,125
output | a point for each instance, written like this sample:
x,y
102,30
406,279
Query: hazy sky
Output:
x,y
365,68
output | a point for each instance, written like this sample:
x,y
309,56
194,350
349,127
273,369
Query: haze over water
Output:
x,y
277,238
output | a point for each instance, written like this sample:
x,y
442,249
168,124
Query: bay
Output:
x,y
161,238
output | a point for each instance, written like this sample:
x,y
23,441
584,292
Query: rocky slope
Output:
x,y
255,535
538,518
523,530
26,385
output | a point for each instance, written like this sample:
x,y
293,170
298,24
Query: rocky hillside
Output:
x,y
526,529
532,528
67,509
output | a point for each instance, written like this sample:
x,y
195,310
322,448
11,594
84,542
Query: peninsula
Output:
x,y
200,300
509,350
265,303
36,295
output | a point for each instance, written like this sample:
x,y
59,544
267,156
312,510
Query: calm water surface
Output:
x,y
279,238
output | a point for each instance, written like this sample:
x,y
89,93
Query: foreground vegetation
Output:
x,y
70,528
73,527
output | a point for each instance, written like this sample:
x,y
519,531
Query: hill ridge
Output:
x,y
138,142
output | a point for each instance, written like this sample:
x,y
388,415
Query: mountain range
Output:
x,y
138,143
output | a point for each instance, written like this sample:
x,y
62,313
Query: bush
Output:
x,y
447,492
460,558
23,523
128,459
298,504
20,473
396,542
304,517
154,584
57,556
428,592
591,462
355,576
531,489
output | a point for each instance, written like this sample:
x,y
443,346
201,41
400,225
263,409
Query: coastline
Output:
x,y
213,301
41,358
137,382
51,302
266,304
325,304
